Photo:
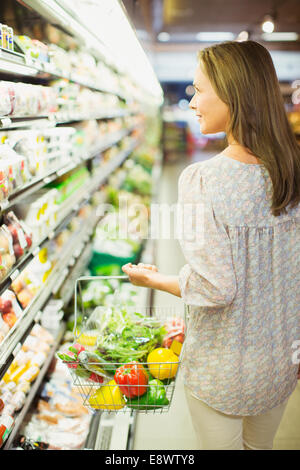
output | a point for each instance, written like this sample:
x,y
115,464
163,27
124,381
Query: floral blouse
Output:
x,y
242,285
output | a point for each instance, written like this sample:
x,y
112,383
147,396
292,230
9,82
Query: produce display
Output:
x,y
7,255
14,172
72,98
10,312
138,179
23,99
40,211
44,149
60,421
16,382
21,235
122,350
34,276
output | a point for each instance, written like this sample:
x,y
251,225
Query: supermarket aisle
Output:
x,y
174,430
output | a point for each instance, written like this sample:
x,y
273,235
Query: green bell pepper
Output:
x,y
154,398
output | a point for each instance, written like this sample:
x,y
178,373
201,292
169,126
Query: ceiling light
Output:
x,y
163,37
268,24
190,90
280,36
183,104
215,36
243,36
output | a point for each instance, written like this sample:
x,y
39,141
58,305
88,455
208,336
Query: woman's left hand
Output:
x,y
143,275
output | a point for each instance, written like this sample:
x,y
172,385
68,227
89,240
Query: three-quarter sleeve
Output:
x,y
208,280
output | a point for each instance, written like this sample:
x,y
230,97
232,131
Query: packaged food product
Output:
x,y
18,400
38,359
8,410
6,424
42,334
31,373
9,387
18,372
22,238
23,386
35,344
7,98
24,297
8,303
7,257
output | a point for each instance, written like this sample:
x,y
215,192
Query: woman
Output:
x,y
243,281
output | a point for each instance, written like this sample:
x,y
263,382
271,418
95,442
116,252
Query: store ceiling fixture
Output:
x,y
215,36
190,90
163,37
243,36
280,36
268,25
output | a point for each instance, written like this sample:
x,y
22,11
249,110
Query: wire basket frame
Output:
x,y
152,394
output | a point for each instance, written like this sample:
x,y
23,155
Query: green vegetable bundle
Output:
x,y
125,336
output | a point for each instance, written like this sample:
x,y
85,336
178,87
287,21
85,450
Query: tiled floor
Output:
x,y
174,430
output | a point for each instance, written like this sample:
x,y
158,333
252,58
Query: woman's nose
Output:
x,y
191,104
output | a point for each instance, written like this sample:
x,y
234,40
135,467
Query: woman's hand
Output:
x,y
147,275
142,275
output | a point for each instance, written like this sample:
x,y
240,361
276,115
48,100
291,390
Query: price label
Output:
x,y
5,122
28,61
17,349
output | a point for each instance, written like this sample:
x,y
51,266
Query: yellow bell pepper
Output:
x,y
107,397
162,363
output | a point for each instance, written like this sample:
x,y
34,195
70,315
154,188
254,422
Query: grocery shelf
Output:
x,y
68,210
61,117
20,65
11,343
37,183
11,122
34,389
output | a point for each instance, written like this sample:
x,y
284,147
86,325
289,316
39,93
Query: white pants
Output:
x,y
216,430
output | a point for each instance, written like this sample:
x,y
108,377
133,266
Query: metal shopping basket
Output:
x,y
144,386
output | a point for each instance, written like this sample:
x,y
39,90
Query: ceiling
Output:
x,y
175,60
182,19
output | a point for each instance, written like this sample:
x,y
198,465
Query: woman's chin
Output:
x,y
204,130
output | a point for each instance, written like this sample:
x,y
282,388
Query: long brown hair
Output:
x,y
244,77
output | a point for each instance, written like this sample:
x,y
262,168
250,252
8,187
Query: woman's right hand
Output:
x,y
148,266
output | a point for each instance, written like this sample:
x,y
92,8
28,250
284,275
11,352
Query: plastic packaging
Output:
x,y
7,257
6,424
31,374
18,400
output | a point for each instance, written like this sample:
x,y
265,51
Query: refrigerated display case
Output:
x,y
71,119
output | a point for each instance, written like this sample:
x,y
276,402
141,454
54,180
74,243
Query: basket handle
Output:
x,y
89,278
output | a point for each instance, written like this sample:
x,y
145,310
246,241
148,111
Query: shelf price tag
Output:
x,y
5,122
28,61
51,235
17,349
14,275
38,316
4,205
